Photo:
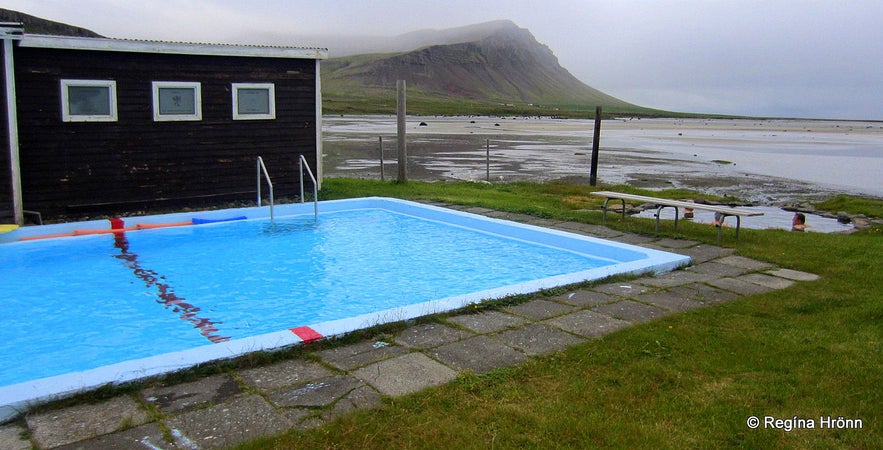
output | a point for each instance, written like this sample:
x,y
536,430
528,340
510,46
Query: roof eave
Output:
x,y
184,48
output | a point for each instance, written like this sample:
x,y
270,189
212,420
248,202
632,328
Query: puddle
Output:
x,y
772,218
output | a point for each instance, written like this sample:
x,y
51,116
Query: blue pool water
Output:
x,y
77,306
175,288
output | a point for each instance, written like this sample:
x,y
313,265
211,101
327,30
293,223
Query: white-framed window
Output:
x,y
177,100
254,101
88,101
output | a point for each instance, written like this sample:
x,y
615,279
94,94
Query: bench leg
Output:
x,y
659,211
604,215
721,225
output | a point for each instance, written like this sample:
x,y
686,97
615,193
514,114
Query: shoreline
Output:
x,y
766,161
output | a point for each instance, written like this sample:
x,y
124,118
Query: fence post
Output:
x,y
487,160
402,145
593,174
382,177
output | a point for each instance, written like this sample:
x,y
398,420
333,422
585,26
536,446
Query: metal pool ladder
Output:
x,y
302,163
263,168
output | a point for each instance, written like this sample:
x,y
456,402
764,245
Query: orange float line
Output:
x,y
103,231
140,226
46,236
147,226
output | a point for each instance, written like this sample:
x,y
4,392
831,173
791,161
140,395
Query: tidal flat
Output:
x,y
758,160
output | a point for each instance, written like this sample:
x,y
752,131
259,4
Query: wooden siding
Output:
x,y
137,162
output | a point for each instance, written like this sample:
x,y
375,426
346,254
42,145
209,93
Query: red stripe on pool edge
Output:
x,y
306,333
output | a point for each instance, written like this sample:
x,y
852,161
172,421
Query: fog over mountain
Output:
x,y
491,61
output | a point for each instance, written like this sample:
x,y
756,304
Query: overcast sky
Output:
x,y
783,58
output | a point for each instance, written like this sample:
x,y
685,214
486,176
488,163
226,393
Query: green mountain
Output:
x,y
495,66
489,68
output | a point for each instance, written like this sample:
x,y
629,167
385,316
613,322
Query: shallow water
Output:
x,y
756,160
772,218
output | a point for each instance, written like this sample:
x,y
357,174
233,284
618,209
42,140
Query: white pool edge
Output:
x,y
17,398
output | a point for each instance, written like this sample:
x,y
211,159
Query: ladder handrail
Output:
x,y
302,162
262,167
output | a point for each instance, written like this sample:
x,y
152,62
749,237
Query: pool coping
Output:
x,y
20,396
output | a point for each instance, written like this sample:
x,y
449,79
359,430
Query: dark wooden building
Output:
x,y
107,125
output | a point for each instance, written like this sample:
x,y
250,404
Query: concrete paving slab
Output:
x,y
622,288
301,418
11,438
487,322
149,436
429,335
363,397
77,423
546,223
739,286
584,298
629,238
405,374
515,217
671,301
314,394
360,354
285,373
479,210
675,278
767,280
675,243
587,323
631,311
585,229
794,275
230,423
498,215
600,231
718,270
703,293
703,252
745,263
537,339
479,354
186,396
541,309
571,226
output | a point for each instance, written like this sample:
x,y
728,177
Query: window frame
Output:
x,y
67,116
271,106
196,86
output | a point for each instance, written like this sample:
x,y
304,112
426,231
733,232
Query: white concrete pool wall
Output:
x,y
628,259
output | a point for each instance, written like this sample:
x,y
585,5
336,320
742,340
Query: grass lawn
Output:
x,y
690,380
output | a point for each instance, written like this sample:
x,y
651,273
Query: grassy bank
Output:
x,y
686,381
421,104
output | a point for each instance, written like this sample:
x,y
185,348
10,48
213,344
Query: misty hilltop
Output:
x,y
37,25
495,63
487,68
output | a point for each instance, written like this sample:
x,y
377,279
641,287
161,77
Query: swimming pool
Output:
x,y
153,300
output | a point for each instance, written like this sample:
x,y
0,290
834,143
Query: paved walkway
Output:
x,y
223,410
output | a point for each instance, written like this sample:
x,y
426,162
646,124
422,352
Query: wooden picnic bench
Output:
x,y
724,211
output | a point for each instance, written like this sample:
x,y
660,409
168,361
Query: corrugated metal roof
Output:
x,y
185,48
